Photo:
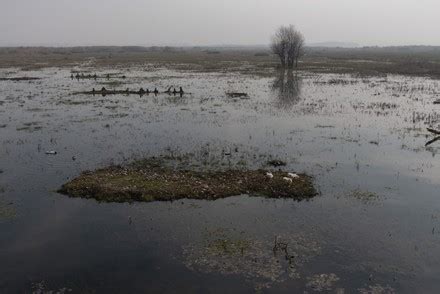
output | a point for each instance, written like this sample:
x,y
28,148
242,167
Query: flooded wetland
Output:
x,y
246,180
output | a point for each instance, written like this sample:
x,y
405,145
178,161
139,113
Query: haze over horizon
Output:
x,y
213,22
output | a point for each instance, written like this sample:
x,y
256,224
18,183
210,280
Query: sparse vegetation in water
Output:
x,y
335,81
7,210
229,252
40,288
377,289
114,83
322,282
30,127
324,127
152,180
366,197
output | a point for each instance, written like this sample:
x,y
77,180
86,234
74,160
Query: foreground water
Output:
x,y
374,228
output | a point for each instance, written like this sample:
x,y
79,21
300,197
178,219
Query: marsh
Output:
x,y
374,225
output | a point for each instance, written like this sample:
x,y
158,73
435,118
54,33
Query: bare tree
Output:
x,y
299,46
288,45
279,45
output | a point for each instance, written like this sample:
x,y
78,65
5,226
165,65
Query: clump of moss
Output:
x,y
151,180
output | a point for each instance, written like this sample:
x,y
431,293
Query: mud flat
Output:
x,y
151,180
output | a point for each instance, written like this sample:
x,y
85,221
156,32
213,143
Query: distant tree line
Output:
x,y
288,45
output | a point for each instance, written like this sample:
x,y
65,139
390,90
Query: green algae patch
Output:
x,y
150,180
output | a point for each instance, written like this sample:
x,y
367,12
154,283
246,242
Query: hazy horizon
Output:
x,y
209,22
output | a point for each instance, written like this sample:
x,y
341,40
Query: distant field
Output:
x,y
414,60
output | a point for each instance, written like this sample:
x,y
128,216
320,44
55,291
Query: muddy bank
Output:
x,y
151,180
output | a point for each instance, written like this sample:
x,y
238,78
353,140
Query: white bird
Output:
x,y
292,176
269,175
289,180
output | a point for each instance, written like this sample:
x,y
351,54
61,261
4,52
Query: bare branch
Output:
x,y
288,45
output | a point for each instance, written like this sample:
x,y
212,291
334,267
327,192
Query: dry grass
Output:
x,y
417,61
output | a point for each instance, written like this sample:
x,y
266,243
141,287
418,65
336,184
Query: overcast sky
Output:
x,y
214,22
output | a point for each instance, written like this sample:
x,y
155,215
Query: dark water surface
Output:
x,y
374,228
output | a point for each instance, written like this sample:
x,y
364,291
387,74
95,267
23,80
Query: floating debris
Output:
x,y
237,95
276,163
51,152
435,132
18,79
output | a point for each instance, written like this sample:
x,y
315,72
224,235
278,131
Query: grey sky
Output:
x,y
207,22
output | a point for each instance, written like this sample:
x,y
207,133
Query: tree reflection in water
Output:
x,y
287,87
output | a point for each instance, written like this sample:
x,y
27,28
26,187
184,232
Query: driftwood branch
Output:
x,y
432,141
237,95
20,79
435,132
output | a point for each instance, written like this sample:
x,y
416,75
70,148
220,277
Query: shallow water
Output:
x,y
374,228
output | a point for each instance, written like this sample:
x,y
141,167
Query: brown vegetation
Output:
x,y
151,180
414,61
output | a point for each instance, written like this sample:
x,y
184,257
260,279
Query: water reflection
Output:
x,y
287,87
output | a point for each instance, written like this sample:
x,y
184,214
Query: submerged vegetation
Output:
x,y
261,261
152,180
7,209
